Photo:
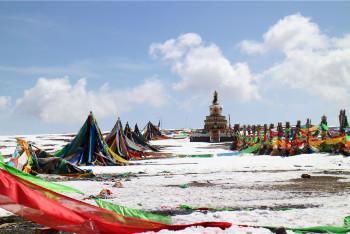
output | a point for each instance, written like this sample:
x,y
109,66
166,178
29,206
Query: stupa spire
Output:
x,y
215,98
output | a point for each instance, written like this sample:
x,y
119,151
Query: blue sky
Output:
x,y
58,60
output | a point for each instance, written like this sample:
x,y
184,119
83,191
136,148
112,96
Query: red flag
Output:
x,y
63,213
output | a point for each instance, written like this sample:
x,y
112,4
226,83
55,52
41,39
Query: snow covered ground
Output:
x,y
254,185
47,142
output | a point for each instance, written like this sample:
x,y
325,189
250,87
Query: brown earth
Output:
x,y
327,184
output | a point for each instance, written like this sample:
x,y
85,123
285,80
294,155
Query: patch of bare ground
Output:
x,y
73,135
9,141
178,211
198,184
201,184
18,225
328,184
101,177
48,145
334,172
61,139
15,224
6,156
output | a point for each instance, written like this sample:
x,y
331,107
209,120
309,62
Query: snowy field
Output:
x,y
257,187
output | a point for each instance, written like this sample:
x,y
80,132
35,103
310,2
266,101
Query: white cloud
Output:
x,y
343,42
57,100
203,68
313,62
290,33
37,70
91,68
4,102
174,49
324,74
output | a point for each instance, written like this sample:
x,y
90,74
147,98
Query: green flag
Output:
x,y
132,212
251,149
348,137
324,127
347,221
60,188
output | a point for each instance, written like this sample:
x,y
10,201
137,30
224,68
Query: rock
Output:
x,y
306,176
183,186
104,194
118,184
280,230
